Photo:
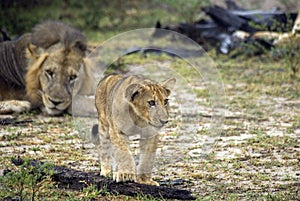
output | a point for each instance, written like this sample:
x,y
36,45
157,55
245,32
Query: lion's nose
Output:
x,y
163,121
55,102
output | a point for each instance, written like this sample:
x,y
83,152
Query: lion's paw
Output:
x,y
124,176
14,106
146,179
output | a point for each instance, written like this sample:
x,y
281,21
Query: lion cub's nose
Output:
x,y
163,121
55,102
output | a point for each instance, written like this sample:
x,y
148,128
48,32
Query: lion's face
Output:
x,y
57,78
152,104
53,77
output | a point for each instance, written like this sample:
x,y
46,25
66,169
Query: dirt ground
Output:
x,y
256,156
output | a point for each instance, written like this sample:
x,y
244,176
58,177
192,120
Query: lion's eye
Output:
x,y
72,77
166,101
151,103
49,74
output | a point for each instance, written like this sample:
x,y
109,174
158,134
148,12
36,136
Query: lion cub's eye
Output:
x,y
72,77
49,74
166,101
151,103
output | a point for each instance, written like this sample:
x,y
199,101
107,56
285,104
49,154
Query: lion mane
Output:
x,y
49,56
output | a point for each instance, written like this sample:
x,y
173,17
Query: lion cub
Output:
x,y
130,105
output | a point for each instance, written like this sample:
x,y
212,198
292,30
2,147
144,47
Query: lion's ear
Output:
x,y
33,51
132,91
169,84
80,46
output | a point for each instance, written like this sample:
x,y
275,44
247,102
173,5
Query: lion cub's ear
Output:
x,y
169,84
132,91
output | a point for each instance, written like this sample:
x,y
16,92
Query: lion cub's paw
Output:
x,y
123,176
105,170
148,182
14,106
146,179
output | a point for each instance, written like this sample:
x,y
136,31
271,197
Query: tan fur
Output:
x,y
32,83
51,65
130,105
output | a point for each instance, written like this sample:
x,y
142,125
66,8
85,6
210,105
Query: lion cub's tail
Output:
x,y
95,135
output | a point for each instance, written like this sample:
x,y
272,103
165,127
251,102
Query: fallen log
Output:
x,y
220,30
232,5
277,38
206,33
77,180
252,20
226,19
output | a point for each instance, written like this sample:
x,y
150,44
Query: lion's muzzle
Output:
x,y
55,106
55,102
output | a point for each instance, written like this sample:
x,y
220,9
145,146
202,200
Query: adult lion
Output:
x,y
40,69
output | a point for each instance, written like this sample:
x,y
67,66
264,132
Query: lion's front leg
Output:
x,y
10,106
147,156
124,168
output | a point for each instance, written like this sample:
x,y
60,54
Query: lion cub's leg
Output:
x,y
147,156
105,151
124,166
10,106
